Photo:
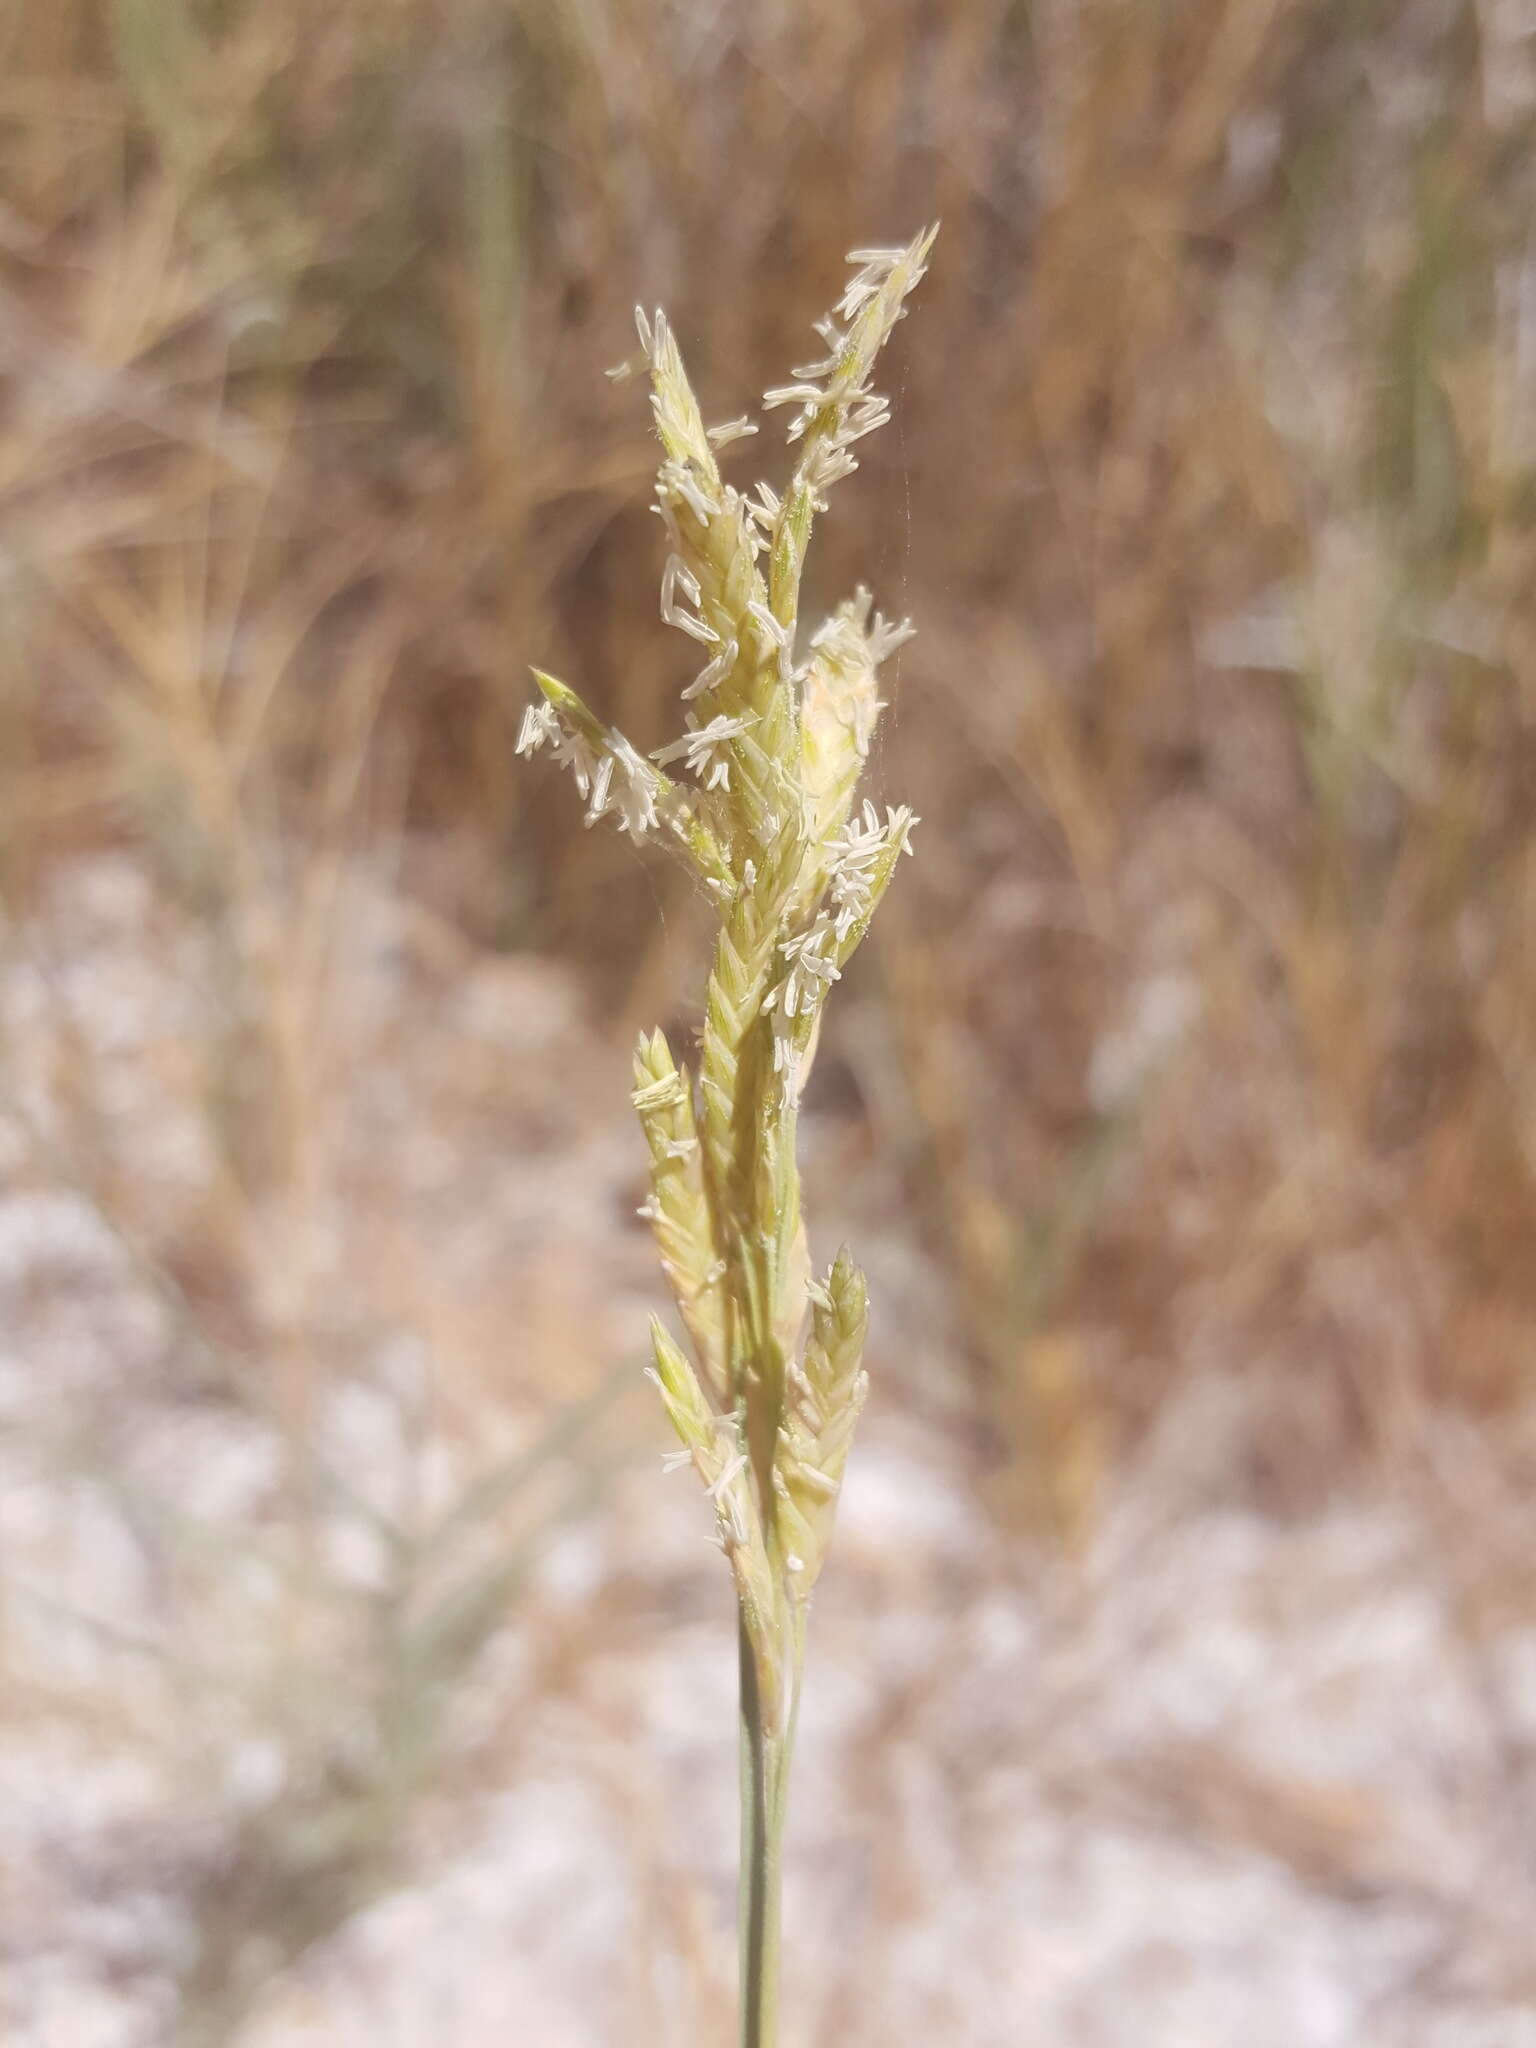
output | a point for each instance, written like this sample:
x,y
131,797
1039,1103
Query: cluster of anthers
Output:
x,y
772,750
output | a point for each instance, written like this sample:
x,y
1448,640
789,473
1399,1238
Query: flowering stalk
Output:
x,y
771,752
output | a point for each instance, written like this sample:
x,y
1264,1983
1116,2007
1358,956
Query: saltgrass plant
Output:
x,y
775,738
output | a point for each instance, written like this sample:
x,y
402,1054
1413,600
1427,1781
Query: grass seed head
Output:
x,y
769,759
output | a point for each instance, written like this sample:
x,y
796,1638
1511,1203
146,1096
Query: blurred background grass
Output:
x,y
1196,1043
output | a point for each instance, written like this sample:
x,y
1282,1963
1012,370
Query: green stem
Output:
x,y
765,1761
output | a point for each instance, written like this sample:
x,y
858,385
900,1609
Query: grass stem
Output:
x,y
765,1767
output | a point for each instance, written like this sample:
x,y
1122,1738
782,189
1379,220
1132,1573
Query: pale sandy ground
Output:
x,y
1226,1780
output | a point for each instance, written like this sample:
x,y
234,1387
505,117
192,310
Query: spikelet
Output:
x,y
678,1209
712,588
837,407
825,1397
612,776
725,1471
840,703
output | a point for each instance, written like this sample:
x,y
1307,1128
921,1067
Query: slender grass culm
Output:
x,y
774,743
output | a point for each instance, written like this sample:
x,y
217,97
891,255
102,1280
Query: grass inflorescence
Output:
x,y
776,732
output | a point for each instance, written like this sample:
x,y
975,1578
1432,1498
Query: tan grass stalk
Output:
x,y
775,737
